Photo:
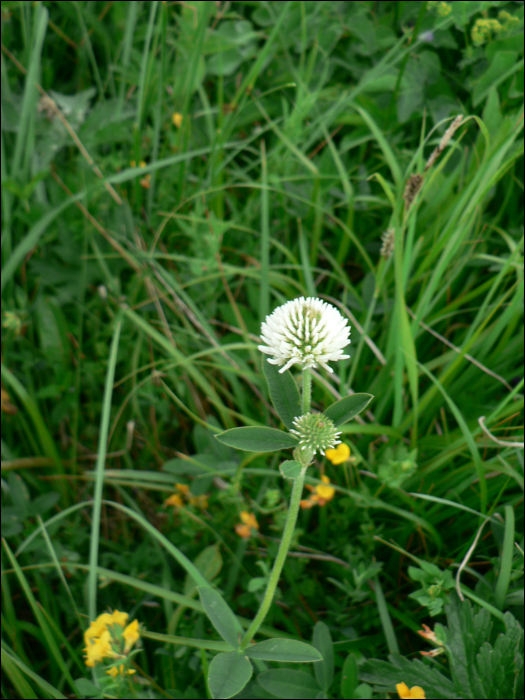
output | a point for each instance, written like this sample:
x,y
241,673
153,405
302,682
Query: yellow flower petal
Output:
x,y
339,454
98,649
174,500
183,488
131,634
119,618
415,692
324,491
243,531
249,519
177,119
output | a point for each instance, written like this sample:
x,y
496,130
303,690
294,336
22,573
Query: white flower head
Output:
x,y
307,332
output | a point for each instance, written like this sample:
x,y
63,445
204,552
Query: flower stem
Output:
x,y
288,531
289,526
307,390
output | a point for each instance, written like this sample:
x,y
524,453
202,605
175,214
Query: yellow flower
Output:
x,y
177,119
325,492
322,493
249,519
142,163
243,531
131,634
404,693
183,488
98,649
103,621
339,454
174,500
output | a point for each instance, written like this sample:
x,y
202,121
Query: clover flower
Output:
x,y
307,332
316,432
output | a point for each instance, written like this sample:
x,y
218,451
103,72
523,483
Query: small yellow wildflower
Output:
x,y
243,531
142,163
131,635
322,494
175,500
98,649
404,693
103,621
177,119
339,454
249,521
183,488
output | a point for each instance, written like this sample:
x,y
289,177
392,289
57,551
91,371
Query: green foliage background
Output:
x,y
132,299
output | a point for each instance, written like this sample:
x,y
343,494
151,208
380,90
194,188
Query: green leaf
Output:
x,y
290,469
286,683
85,688
257,439
363,692
221,615
347,408
322,641
228,674
283,393
349,677
208,562
285,650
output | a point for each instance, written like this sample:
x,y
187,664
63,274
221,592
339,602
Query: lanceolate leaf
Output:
x,y
221,615
257,439
228,674
283,393
285,650
345,409
322,641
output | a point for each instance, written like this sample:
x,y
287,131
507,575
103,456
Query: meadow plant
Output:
x,y
306,332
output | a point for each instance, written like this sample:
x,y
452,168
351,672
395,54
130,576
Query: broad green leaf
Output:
x,y
208,562
347,408
290,469
221,615
349,677
322,641
363,692
257,439
228,674
283,393
285,650
286,683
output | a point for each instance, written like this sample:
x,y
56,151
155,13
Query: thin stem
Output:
x,y
307,390
288,531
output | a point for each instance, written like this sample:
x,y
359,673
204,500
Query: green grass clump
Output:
x,y
173,172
